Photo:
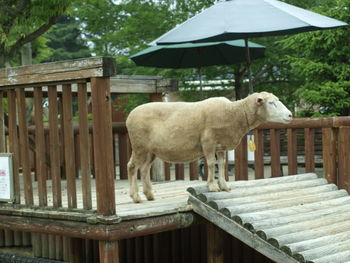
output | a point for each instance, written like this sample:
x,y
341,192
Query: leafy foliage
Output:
x,y
321,60
64,41
23,21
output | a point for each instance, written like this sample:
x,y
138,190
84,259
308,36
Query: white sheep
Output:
x,y
181,132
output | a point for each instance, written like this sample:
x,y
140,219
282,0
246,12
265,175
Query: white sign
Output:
x,y
6,177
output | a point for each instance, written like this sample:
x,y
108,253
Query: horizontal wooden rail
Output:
x,y
327,122
57,72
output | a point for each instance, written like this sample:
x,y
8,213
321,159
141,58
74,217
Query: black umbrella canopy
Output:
x,y
237,19
189,55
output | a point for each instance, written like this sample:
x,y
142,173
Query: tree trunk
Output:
x,y
26,54
241,91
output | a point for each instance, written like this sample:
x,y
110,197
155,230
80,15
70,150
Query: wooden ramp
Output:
x,y
299,218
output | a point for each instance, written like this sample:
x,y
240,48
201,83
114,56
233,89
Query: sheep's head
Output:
x,y
270,108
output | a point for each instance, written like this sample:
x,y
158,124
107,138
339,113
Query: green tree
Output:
x,y
23,21
321,60
65,41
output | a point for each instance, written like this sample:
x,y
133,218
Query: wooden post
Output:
x,y
241,160
275,152
109,252
309,150
215,244
292,151
259,153
344,158
329,155
103,151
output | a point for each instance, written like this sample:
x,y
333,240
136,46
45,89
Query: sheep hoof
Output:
x,y
149,196
213,188
227,189
136,199
223,186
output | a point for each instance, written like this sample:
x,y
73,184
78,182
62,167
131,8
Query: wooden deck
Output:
x,y
170,197
298,218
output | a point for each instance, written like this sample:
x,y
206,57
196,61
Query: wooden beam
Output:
x,y
142,84
58,71
122,230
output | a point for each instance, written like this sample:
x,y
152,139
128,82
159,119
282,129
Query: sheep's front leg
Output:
x,y
221,164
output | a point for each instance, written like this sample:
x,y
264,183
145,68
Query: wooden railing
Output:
x,y
301,146
52,137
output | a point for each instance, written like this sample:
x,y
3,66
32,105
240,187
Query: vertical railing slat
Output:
x,y
309,135
259,153
2,124
84,145
344,158
194,172
55,168
241,160
329,155
292,151
24,147
2,149
167,171
275,152
123,155
40,146
13,142
179,171
69,145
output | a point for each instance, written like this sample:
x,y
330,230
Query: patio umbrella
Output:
x,y
189,55
243,19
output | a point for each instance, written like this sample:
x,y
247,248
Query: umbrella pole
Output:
x,y
251,89
200,82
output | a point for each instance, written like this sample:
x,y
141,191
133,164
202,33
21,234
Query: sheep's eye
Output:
x,y
272,103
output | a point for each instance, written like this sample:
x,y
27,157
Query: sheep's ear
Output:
x,y
260,101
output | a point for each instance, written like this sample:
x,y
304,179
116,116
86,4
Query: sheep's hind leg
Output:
x,y
146,178
132,176
221,163
212,183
